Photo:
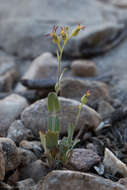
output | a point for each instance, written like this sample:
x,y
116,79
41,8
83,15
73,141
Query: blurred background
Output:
x,y
24,23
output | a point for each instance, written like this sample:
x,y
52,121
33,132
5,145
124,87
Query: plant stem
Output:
x,y
78,115
59,58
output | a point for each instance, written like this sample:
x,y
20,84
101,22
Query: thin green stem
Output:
x,y
78,115
59,58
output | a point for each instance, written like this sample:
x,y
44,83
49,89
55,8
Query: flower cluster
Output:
x,y
64,33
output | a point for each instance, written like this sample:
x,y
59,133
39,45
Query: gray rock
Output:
x,y
4,186
44,66
27,184
35,117
120,4
17,132
83,159
26,156
123,181
75,89
27,24
104,109
8,72
83,68
34,146
34,170
2,165
11,106
13,178
62,180
114,63
11,154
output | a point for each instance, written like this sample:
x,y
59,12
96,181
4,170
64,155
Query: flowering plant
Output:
x,y
59,151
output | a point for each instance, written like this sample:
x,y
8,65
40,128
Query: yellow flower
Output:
x,y
64,33
54,35
77,30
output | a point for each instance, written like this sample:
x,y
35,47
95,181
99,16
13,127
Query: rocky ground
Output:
x,y
95,61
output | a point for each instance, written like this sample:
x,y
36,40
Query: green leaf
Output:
x,y
54,124
76,141
70,133
52,140
57,124
50,124
43,140
53,103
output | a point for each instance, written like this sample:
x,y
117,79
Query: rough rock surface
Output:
x,y
11,154
27,184
26,156
123,181
83,159
75,89
17,132
11,106
34,170
2,165
34,146
35,117
62,180
5,186
83,68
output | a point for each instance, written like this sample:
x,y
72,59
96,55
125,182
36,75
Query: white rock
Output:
x,y
10,109
113,165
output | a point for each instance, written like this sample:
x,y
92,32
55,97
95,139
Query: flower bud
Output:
x,y
84,98
77,30
64,34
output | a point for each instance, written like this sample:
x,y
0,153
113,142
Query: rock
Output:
x,y
113,165
26,157
27,184
91,146
17,132
11,106
111,64
35,117
117,103
83,68
2,165
119,91
44,66
14,178
62,180
75,89
27,25
123,181
8,73
104,109
4,186
120,4
34,146
11,154
34,170
83,159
